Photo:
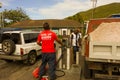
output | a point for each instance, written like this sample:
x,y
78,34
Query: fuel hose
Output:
x,y
61,72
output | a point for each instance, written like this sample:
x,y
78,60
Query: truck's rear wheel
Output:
x,y
8,46
32,58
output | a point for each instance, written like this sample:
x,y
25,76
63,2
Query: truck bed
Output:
x,y
104,44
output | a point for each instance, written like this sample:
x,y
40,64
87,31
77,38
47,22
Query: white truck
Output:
x,y
101,49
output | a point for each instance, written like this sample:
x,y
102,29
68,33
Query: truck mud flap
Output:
x,y
105,76
84,68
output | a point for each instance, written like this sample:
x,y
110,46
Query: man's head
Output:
x,y
46,26
71,31
79,30
75,31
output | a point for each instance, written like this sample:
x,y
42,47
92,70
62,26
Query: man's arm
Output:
x,y
39,43
80,39
39,40
71,39
59,41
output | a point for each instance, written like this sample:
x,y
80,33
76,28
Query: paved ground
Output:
x,y
19,71
72,74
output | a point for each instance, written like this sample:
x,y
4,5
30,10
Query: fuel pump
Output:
x,y
65,62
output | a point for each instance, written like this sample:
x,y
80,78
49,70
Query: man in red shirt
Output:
x,y
46,39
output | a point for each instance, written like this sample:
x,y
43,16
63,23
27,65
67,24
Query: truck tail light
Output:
x,y
21,51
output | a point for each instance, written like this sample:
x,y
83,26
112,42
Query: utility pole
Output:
x,y
94,6
1,16
0,5
1,23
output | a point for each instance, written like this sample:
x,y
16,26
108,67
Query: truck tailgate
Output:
x,y
102,50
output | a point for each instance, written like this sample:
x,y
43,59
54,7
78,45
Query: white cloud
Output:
x,y
32,10
67,8
6,2
64,9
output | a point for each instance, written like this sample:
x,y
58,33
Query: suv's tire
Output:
x,y
32,57
8,46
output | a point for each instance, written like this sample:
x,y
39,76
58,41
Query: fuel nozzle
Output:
x,y
64,44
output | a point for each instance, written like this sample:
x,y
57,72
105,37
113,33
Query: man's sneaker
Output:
x,y
39,78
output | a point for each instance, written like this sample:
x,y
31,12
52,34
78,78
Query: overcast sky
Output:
x,y
52,9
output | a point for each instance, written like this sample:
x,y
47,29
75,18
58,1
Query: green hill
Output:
x,y
99,12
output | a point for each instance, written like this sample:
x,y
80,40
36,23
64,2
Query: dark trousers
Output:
x,y
49,58
75,49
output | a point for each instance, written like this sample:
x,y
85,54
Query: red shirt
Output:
x,y
47,38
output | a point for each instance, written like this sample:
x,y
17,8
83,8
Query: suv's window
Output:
x,y
31,37
16,38
13,36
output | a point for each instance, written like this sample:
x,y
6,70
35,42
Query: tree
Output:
x,y
12,16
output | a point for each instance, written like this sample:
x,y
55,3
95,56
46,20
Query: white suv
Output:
x,y
20,45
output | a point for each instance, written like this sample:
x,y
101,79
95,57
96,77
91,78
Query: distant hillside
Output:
x,y
99,12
